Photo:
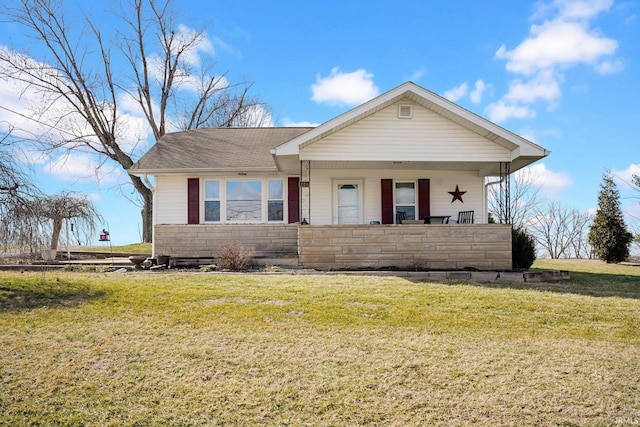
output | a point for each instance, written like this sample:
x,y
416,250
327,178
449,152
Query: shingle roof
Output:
x,y
216,149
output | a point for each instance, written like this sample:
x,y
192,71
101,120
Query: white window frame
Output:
x,y
264,200
355,181
415,198
205,199
269,199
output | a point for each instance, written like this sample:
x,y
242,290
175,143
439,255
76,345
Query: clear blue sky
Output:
x,y
564,74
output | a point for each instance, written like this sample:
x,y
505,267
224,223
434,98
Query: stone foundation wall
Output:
x,y
485,247
333,247
204,241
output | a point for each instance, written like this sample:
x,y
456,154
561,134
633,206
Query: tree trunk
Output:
x,y
147,208
55,235
147,218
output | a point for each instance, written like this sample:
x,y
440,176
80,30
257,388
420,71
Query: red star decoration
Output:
x,y
457,195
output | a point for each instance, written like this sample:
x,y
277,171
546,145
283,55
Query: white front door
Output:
x,y
347,205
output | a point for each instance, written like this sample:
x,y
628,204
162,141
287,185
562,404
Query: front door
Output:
x,y
347,207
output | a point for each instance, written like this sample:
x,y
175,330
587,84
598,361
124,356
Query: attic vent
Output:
x,y
405,111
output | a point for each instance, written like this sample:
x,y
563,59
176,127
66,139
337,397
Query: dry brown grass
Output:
x,y
210,349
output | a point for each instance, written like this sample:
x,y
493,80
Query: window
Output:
x,y
212,201
405,198
275,200
244,200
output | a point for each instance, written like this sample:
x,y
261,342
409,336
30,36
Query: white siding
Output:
x,y
171,196
171,193
441,182
425,137
171,200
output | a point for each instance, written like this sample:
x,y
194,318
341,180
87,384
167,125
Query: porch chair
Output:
x,y
400,216
465,217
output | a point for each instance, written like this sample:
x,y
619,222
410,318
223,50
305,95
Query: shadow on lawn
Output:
x,y
27,295
581,283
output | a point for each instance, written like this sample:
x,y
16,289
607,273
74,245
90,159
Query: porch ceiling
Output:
x,y
483,168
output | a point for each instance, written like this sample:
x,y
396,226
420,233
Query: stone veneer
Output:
x,y
434,247
333,247
204,241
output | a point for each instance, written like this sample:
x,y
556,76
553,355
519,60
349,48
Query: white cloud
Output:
x,y
543,86
529,134
624,178
27,154
457,93
563,40
476,94
192,44
557,44
255,116
551,184
417,75
344,88
581,9
503,110
631,19
304,124
217,41
82,167
609,67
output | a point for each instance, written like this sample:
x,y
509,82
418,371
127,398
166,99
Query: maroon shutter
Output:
x,y
293,199
387,200
424,202
193,201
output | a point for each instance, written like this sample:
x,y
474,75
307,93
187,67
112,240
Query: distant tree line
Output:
x,y
563,232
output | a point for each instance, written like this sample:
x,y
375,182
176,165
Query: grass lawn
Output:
x,y
140,248
159,348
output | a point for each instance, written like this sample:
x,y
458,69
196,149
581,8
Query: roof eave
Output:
x,y
183,171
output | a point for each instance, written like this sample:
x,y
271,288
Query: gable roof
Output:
x,y
523,151
277,149
216,149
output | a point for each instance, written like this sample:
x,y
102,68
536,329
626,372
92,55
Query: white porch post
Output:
x,y
305,191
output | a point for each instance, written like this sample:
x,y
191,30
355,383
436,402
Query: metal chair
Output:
x,y
465,217
400,216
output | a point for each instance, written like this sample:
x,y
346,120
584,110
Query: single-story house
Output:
x,y
380,186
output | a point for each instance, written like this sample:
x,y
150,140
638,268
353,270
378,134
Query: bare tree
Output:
x,y
54,209
16,189
524,197
561,232
79,74
11,178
